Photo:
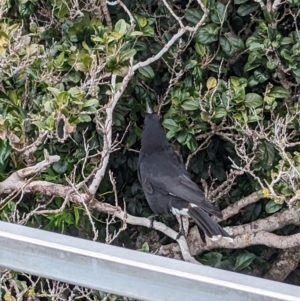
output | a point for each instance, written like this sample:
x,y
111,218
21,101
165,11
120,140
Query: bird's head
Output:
x,y
152,120
154,135
148,107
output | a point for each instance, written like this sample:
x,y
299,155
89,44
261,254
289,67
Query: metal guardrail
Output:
x,y
126,272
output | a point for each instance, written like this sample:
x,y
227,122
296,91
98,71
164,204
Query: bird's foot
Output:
x,y
180,233
152,218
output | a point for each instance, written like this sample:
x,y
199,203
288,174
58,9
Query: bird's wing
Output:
x,y
183,188
142,178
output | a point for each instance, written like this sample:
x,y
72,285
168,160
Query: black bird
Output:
x,y
166,183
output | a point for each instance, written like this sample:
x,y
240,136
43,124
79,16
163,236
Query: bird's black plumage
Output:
x,y
166,183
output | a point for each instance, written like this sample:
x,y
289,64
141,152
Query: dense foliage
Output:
x,y
228,95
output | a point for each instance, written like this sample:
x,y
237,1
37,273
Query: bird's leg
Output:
x,y
184,226
181,232
152,218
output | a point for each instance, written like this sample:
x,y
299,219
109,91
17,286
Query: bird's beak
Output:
x,y
148,108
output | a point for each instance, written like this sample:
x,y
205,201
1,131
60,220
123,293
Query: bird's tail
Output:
x,y
205,223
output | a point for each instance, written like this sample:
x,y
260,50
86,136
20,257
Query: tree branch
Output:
x,y
286,262
274,222
271,223
16,180
246,240
237,206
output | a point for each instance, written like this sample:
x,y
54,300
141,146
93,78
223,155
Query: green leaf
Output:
x,y
273,64
127,54
253,61
238,93
171,125
50,122
136,33
5,150
91,102
131,139
120,27
296,72
73,76
234,81
63,10
182,136
77,215
62,97
261,77
75,92
200,49
54,91
197,73
84,118
40,124
256,46
247,8
211,258
142,20
148,31
145,247
190,105
207,34
272,207
60,167
218,13
211,83
69,218
192,143
253,100
13,97
286,41
220,113
243,261
190,64
193,15
60,59
254,118
215,67
231,44
279,92
147,72
226,46
171,134
287,54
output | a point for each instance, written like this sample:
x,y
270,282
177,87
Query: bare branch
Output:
x,y
106,13
173,14
260,2
276,4
274,222
108,128
286,262
237,206
132,21
246,240
15,181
